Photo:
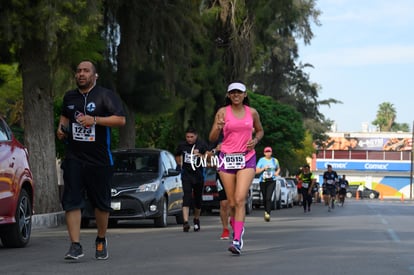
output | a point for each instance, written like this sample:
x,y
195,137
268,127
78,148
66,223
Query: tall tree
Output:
x,y
260,38
35,33
386,115
284,130
153,57
400,127
11,105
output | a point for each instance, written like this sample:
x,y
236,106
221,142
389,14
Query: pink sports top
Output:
x,y
237,132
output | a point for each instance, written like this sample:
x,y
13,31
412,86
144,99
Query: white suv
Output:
x,y
276,196
287,193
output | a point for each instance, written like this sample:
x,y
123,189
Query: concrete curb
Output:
x,y
48,220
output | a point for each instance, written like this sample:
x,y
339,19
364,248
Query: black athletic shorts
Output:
x,y
330,189
80,180
342,191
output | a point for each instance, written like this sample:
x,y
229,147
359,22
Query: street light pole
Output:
x,y
411,169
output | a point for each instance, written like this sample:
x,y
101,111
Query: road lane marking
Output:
x,y
393,236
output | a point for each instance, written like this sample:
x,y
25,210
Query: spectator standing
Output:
x,y
360,190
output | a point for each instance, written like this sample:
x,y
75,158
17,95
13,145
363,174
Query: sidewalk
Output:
x,y
58,218
48,220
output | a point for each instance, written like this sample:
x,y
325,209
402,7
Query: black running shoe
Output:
x,y
186,227
196,225
75,252
101,252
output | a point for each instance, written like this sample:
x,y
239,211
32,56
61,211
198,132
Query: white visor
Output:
x,y
236,86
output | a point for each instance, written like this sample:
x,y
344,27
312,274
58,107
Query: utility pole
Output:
x,y
411,169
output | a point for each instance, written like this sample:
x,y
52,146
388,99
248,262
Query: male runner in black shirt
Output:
x,y
188,155
88,112
330,179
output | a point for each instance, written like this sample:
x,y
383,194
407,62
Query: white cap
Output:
x,y
236,86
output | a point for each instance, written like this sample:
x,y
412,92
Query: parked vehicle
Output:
x,y
145,185
16,190
294,189
286,194
367,193
210,196
258,198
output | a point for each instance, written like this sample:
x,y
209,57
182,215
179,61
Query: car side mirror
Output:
x,y
172,172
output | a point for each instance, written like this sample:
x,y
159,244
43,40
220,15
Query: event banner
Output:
x,y
365,165
358,143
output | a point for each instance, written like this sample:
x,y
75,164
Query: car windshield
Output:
x,y
136,163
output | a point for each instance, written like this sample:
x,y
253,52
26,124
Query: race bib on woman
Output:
x,y
234,161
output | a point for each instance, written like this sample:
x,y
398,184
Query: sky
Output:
x,y
363,55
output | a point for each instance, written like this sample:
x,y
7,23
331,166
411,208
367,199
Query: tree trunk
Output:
x,y
127,133
39,133
125,74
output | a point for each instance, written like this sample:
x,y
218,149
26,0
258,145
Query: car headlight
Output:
x,y
149,187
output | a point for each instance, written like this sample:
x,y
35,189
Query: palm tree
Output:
x,y
386,115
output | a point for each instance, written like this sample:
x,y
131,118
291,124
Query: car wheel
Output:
x,y
249,206
348,195
18,234
371,196
179,218
279,202
161,221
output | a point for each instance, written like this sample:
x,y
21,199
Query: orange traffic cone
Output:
x,y
381,196
357,195
402,197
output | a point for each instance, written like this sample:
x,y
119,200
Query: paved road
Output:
x,y
364,237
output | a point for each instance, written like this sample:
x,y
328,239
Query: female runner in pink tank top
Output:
x,y
237,158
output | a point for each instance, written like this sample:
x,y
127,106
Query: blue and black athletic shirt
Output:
x,y
90,145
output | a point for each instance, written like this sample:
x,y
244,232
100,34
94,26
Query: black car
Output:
x,y
367,193
210,195
145,185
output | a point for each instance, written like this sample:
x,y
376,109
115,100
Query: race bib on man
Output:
x,y
188,158
305,184
234,161
330,181
81,133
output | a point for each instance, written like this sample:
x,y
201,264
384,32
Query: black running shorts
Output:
x,y
80,179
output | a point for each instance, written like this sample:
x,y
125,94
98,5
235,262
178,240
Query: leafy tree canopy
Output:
x,y
283,127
